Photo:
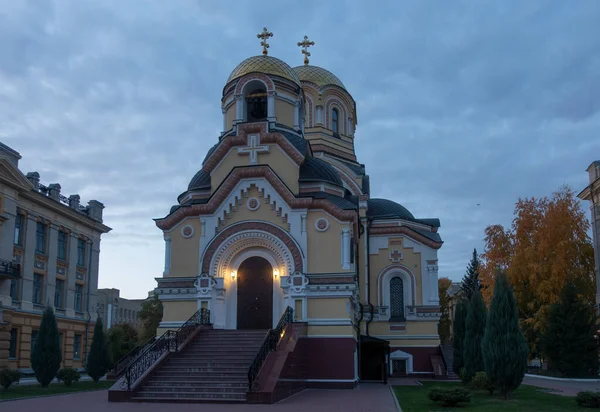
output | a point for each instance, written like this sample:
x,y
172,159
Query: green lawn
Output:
x,y
524,399
27,391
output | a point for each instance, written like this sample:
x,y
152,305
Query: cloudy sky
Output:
x,y
459,103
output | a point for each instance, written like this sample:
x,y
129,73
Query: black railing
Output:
x,y
119,366
269,344
168,342
10,268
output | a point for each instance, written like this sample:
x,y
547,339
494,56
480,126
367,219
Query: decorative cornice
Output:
x,y
230,183
331,150
406,231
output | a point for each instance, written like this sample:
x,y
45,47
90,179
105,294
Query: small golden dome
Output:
x,y
266,65
318,75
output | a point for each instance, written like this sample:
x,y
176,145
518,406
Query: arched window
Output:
x,y
335,121
396,298
256,105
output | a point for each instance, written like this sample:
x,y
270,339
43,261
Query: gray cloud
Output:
x,y
458,104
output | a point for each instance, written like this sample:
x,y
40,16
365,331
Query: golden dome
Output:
x,y
318,75
266,65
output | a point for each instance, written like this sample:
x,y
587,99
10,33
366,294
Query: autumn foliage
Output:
x,y
546,244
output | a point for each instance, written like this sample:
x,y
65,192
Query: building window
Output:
x,y
37,288
77,347
80,252
78,298
62,245
12,348
34,336
256,105
19,229
14,290
59,293
335,121
396,299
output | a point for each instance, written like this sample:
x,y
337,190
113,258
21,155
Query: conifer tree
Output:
x,y
470,281
503,345
458,335
474,330
97,362
46,356
569,339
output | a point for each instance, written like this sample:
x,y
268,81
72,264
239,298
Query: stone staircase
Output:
x,y
212,368
448,354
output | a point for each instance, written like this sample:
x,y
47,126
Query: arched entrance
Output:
x,y
255,294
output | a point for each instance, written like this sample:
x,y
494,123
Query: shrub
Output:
x,y
46,355
481,381
588,399
68,376
8,377
97,363
449,396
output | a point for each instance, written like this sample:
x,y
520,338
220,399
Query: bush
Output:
x,y
46,354
481,381
588,399
8,377
449,396
68,376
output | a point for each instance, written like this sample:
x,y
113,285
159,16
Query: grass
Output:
x,y
29,391
524,399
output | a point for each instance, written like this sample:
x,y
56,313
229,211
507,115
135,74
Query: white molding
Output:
x,y
330,336
257,203
409,337
317,224
191,233
328,322
401,355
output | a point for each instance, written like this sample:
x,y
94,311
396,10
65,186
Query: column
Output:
x,y
71,276
271,106
239,108
297,115
51,265
224,121
92,278
28,259
7,234
345,248
319,115
167,256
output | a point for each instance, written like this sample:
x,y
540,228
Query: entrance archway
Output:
x,y
255,294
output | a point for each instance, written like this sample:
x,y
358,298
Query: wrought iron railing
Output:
x,y
120,365
269,344
168,342
10,268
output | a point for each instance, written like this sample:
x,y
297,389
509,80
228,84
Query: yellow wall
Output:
x,y
184,252
179,311
331,330
414,342
327,308
264,212
230,116
283,166
330,240
284,112
412,328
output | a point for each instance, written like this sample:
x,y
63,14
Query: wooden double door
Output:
x,y
255,294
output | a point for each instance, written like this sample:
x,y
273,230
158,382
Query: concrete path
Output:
x,y
566,388
366,398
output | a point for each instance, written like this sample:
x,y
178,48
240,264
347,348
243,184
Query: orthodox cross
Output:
x,y
305,44
253,148
264,36
395,255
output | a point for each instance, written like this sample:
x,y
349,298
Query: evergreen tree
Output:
x,y
151,315
569,338
503,345
46,356
458,335
445,323
97,362
474,330
470,281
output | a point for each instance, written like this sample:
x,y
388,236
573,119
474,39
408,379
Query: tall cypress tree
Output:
x,y
474,330
503,345
46,356
569,338
458,335
470,281
97,362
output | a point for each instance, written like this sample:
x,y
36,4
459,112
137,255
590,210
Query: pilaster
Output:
x,y
28,261
92,278
71,276
346,248
51,265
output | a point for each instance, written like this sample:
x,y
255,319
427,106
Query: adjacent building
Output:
x,y
49,254
114,309
592,194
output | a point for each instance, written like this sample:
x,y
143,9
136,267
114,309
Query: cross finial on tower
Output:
x,y
264,36
305,44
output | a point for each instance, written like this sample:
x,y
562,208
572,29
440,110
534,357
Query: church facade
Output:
x,y
280,214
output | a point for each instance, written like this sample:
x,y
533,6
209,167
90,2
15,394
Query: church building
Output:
x,y
280,215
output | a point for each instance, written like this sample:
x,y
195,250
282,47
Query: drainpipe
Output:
x,y
368,262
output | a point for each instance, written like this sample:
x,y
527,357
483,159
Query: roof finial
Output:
x,y
305,44
264,36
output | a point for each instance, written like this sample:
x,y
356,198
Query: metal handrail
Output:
x,y
120,365
269,344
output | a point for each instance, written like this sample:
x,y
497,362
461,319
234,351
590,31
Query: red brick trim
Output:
x,y
265,227
254,76
253,172
405,231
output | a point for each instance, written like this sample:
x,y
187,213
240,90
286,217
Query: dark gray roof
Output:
x,y
356,168
429,222
201,180
384,208
318,170
341,202
429,235
210,151
297,141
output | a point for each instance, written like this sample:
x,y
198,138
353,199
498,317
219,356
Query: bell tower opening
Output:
x,y
256,102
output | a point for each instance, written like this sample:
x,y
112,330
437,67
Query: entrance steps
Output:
x,y
212,368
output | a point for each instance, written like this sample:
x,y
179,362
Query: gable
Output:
x,y
12,176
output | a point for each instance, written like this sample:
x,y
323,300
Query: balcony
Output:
x,y
9,270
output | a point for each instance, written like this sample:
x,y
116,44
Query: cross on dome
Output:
x,y
264,36
305,44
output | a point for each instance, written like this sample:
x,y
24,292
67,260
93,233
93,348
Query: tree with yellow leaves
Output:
x,y
546,245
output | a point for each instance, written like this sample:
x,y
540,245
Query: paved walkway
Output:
x,y
566,388
366,398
